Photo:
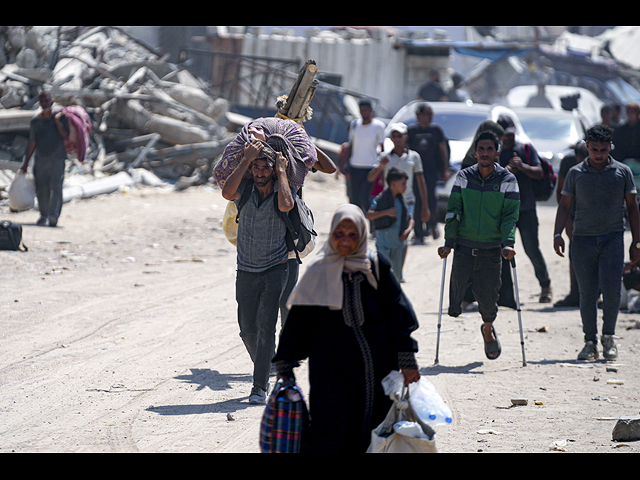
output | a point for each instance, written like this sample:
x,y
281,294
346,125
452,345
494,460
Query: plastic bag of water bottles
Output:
x,y
423,397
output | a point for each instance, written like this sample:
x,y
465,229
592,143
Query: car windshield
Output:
x,y
457,126
549,128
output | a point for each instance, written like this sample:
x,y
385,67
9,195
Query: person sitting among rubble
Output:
x,y
48,132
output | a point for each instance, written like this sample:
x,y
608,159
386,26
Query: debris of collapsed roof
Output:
x,y
146,113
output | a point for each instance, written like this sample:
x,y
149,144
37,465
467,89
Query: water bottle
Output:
x,y
428,404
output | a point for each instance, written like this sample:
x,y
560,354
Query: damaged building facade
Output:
x,y
166,100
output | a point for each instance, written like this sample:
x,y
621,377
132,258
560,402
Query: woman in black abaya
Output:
x,y
351,320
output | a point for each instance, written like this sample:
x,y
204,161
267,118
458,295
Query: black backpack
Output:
x,y
543,188
11,237
301,236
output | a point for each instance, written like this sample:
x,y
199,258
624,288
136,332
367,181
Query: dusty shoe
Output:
x,y
589,353
609,348
258,396
546,296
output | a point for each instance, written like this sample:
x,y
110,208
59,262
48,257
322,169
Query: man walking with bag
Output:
x,y
523,161
262,255
48,133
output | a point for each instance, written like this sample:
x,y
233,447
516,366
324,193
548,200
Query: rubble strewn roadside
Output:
x,y
147,114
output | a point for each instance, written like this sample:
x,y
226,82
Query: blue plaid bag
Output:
x,y
285,422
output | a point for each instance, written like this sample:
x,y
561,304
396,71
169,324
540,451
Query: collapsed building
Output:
x,y
146,113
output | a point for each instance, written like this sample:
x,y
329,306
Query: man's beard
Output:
x,y
263,181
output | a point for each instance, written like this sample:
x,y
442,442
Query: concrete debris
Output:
x,y
627,429
146,113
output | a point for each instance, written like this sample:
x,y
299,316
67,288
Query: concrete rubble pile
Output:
x,y
153,122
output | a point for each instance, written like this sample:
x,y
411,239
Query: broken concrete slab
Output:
x,y
627,429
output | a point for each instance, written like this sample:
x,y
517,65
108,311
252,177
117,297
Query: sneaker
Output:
x,y
546,296
43,222
589,353
53,221
609,348
258,396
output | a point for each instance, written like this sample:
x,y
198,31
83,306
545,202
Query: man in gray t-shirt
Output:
x,y
602,190
47,135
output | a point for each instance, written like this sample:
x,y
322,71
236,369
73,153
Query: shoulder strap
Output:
x,y
527,152
247,189
292,235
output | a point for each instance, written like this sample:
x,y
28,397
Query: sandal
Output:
x,y
491,347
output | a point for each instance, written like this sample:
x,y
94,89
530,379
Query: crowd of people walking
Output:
x,y
348,316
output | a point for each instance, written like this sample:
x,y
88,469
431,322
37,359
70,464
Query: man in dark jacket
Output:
x,y
523,161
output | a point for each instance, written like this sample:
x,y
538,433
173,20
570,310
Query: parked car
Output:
x,y
459,121
553,132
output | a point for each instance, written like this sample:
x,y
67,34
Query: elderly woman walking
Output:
x,y
351,320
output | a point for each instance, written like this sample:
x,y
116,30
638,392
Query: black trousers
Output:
x,y
482,271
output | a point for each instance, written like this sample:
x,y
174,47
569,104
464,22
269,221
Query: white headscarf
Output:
x,y
321,284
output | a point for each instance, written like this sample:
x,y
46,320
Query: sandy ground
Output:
x,y
118,334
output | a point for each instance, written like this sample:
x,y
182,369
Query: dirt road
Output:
x,y
119,334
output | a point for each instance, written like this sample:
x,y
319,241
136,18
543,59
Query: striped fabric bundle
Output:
x,y
281,134
285,421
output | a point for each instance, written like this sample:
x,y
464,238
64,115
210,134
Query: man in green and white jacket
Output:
x,y
481,227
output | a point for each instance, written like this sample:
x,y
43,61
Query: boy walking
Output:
x,y
392,220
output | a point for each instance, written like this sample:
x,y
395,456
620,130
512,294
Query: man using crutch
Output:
x,y
481,227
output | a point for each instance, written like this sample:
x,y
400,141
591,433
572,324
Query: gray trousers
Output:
x,y
49,178
258,296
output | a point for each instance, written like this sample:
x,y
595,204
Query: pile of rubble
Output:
x,y
146,113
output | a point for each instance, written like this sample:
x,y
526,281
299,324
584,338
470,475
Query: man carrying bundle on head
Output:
x,y
262,253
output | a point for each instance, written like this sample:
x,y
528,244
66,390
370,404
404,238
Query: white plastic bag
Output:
x,y
22,192
402,432
423,397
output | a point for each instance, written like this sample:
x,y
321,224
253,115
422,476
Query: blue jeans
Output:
x,y
395,257
258,296
598,263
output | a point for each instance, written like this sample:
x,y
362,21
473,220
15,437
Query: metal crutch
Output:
x,y
515,280
444,273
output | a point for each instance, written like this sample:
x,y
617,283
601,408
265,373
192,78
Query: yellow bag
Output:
x,y
229,223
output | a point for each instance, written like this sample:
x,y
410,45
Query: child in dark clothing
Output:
x,y
392,221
